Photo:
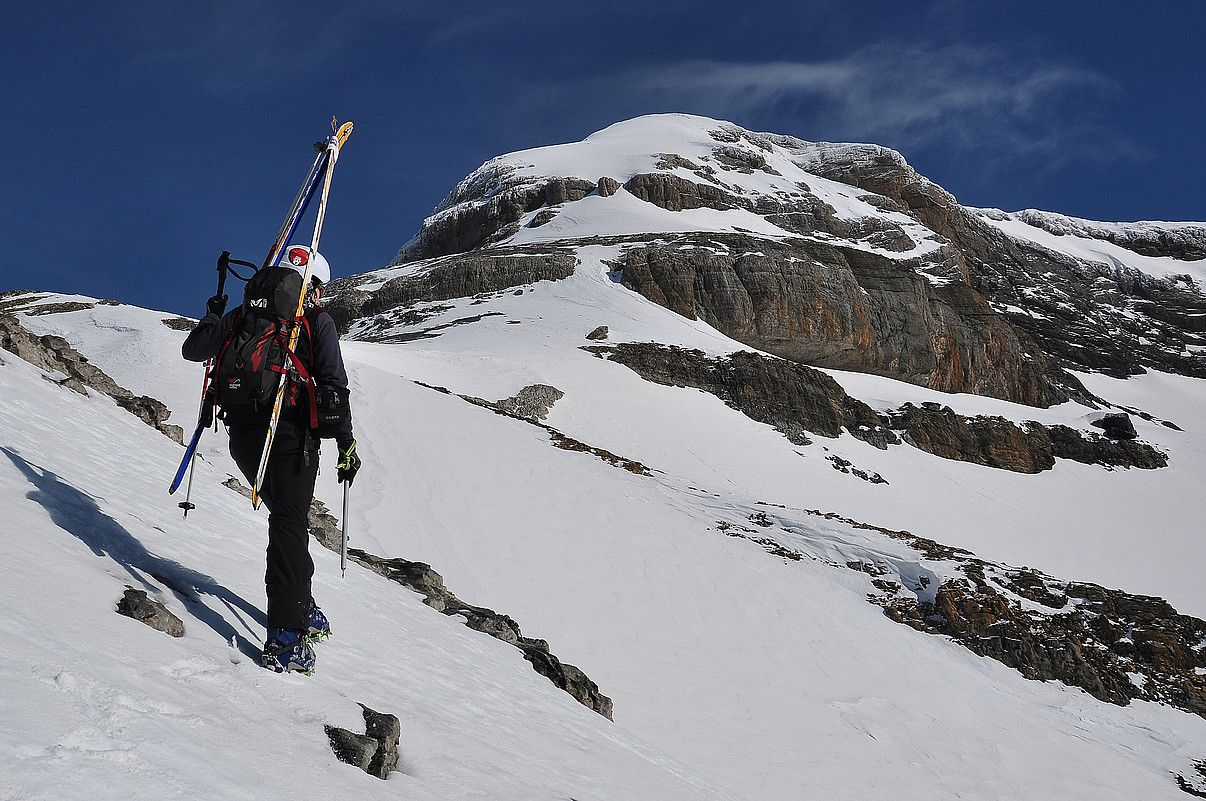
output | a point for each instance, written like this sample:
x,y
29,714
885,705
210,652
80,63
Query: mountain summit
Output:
x,y
833,255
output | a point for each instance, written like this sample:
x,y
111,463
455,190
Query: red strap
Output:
x,y
304,374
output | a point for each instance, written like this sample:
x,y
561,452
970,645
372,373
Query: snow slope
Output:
x,y
98,706
759,676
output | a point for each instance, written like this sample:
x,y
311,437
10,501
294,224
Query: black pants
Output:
x,y
287,492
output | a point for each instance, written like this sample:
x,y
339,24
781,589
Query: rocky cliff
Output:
x,y
827,254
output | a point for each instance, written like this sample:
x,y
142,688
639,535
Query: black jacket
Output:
x,y
325,362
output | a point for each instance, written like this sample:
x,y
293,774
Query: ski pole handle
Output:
x,y
223,266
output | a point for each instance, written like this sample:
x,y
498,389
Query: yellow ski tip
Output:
x,y
342,134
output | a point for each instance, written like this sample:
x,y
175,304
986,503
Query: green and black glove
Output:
x,y
349,462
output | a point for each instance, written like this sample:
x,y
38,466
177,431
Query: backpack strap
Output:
x,y
302,371
234,329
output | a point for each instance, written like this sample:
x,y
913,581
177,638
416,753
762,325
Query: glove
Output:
x,y
349,463
216,305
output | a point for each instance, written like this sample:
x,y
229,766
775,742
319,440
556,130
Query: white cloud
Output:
x,y
959,97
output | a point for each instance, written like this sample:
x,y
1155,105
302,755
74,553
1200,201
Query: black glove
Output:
x,y
216,305
349,463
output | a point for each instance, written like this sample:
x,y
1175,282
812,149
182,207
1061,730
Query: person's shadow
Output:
x,y
78,514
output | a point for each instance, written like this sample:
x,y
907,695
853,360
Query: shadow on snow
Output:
x,y
77,513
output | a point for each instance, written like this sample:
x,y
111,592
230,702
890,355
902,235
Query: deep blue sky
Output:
x,y
144,138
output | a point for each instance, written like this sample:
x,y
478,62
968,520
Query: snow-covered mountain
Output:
x,y
775,511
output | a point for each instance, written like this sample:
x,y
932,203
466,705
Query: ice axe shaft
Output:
x,y
343,549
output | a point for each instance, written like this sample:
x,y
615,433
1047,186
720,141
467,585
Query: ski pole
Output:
x,y
343,550
203,414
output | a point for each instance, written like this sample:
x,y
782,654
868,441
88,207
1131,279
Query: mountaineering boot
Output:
x,y
316,627
287,651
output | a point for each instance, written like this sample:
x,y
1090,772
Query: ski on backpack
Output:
x,y
297,209
334,144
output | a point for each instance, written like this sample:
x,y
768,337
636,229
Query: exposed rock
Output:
x,y
57,308
608,186
543,216
991,441
742,160
1094,639
1184,242
1085,314
56,356
179,323
357,750
322,524
570,444
676,194
795,399
1116,426
453,277
386,729
485,210
376,751
1195,785
532,402
799,401
152,412
845,309
422,579
846,466
1112,644
997,442
598,334
1068,443
136,604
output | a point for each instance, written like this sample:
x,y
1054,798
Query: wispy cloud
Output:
x,y
971,100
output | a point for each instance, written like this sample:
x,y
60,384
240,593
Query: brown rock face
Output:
x,y
1083,314
56,355
795,399
676,194
452,277
842,308
799,401
488,213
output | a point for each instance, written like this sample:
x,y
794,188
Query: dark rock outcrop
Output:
x,y
843,308
453,277
179,323
421,578
55,355
676,194
1114,645
598,334
799,401
356,750
1116,426
137,605
607,186
487,210
1088,636
997,442
795,399
991,441
376,751
427,582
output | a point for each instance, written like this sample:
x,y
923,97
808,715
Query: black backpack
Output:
x,y
256,354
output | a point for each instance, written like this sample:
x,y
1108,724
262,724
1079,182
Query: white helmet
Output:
x,y
295,257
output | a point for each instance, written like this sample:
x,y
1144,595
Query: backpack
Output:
x,y
256,354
